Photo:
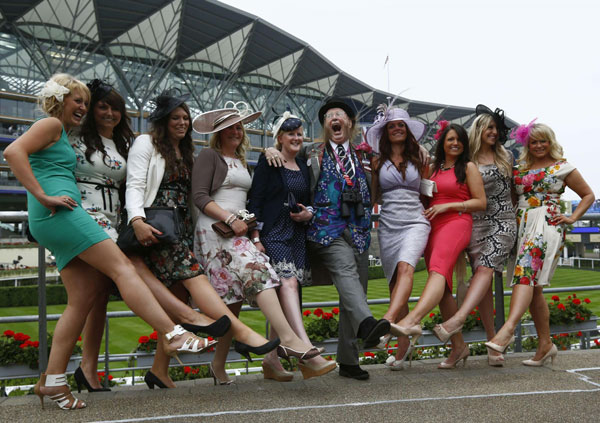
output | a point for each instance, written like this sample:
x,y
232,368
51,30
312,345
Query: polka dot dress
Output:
x,y
286,241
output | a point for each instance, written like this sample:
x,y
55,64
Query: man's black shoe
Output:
x,y
370,330
353,371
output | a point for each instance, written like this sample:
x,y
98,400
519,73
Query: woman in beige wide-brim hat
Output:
x,y
236,269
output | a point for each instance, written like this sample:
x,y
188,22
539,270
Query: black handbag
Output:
x,y
292,204
165,219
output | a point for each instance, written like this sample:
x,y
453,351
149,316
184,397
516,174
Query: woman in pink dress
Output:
x,y
459,192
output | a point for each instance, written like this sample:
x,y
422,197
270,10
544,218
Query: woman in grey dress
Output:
x,y
494,230
403,229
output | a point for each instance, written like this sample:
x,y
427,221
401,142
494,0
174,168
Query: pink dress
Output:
x,y
450,231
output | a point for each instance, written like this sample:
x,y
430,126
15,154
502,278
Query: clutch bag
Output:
x,y
292,204
427,187
165,219
224,230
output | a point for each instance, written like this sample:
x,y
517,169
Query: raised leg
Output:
x,y
431,297
521,299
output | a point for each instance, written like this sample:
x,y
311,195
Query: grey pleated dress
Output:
x,y
403,230
495,228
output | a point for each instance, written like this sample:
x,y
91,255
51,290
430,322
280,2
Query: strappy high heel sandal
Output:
x,y
443,335
287,352
65,400
463,356
393,364
192,344
500,348
216,380
414,332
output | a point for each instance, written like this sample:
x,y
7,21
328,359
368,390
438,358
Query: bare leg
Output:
x,y
98,286
486,312
290,304
160,365
478,287
106,257
205,296
448,308
177,309
521,299
220,357
431,297
541,318
400,289
269,304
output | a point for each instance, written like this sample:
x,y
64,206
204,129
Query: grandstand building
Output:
x,y
208,49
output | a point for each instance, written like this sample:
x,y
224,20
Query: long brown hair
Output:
x,y
460,167
160,140
122,133
410,154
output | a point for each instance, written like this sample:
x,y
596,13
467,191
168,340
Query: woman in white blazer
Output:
x,y
158,175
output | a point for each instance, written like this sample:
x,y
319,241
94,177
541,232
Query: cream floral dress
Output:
x,y
99,183
539,241
235,268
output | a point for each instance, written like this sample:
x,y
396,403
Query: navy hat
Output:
x,y
99,89
336,103
166,102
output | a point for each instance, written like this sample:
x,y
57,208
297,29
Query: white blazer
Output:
x,y
145,170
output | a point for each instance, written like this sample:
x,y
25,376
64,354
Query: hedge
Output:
x,y
11,296
28,295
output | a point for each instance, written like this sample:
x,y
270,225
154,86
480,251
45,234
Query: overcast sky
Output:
x,y
532,58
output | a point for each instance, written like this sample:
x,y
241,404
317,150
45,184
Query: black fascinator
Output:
x,y
166,102
99,89
498,116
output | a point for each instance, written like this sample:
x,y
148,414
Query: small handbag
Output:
x,y
292,204
427,187
165,219
224,230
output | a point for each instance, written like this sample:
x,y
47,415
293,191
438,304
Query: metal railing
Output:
x,y
43,318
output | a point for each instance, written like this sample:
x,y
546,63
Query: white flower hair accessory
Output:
x,y
54,89
242,107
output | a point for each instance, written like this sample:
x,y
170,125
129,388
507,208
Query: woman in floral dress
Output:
x,y
159,175
236,268
540,179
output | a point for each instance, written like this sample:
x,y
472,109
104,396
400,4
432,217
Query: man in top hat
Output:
x,y
339,233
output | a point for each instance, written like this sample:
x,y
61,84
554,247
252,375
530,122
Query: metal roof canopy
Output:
x,y
210,49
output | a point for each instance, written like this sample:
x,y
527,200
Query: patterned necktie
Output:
x,y
345,159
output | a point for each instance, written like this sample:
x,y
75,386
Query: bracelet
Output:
x,y
136,218
464,206
229,221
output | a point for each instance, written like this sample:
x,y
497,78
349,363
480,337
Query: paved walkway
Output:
x,y
570,391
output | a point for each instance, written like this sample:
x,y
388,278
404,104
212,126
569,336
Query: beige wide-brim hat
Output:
x,y
216,120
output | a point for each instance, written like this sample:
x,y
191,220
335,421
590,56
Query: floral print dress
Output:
x,y
98,182
539,241
235,268
174,262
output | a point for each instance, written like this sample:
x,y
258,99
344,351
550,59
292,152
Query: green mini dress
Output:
x,y
69,232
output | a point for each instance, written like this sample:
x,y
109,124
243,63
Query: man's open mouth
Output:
x,y
336,127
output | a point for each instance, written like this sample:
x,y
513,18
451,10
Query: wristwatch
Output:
x,y
255,240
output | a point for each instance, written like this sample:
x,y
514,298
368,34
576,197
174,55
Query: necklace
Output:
x,y
447,168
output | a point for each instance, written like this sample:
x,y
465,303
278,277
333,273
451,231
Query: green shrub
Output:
x,y
20,296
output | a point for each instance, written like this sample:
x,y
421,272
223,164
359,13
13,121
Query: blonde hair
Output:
x,y
240,151
277,144
540,132
502,158
53,107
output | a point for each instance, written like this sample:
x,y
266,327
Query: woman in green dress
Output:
x,y
43,161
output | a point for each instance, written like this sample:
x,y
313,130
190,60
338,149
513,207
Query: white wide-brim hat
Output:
x,y
217,120
374,132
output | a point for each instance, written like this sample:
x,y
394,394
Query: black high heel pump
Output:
x,y
216,329
152,380
81,380
245,349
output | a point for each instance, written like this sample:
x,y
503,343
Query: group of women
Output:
x,y
87,176
469,191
